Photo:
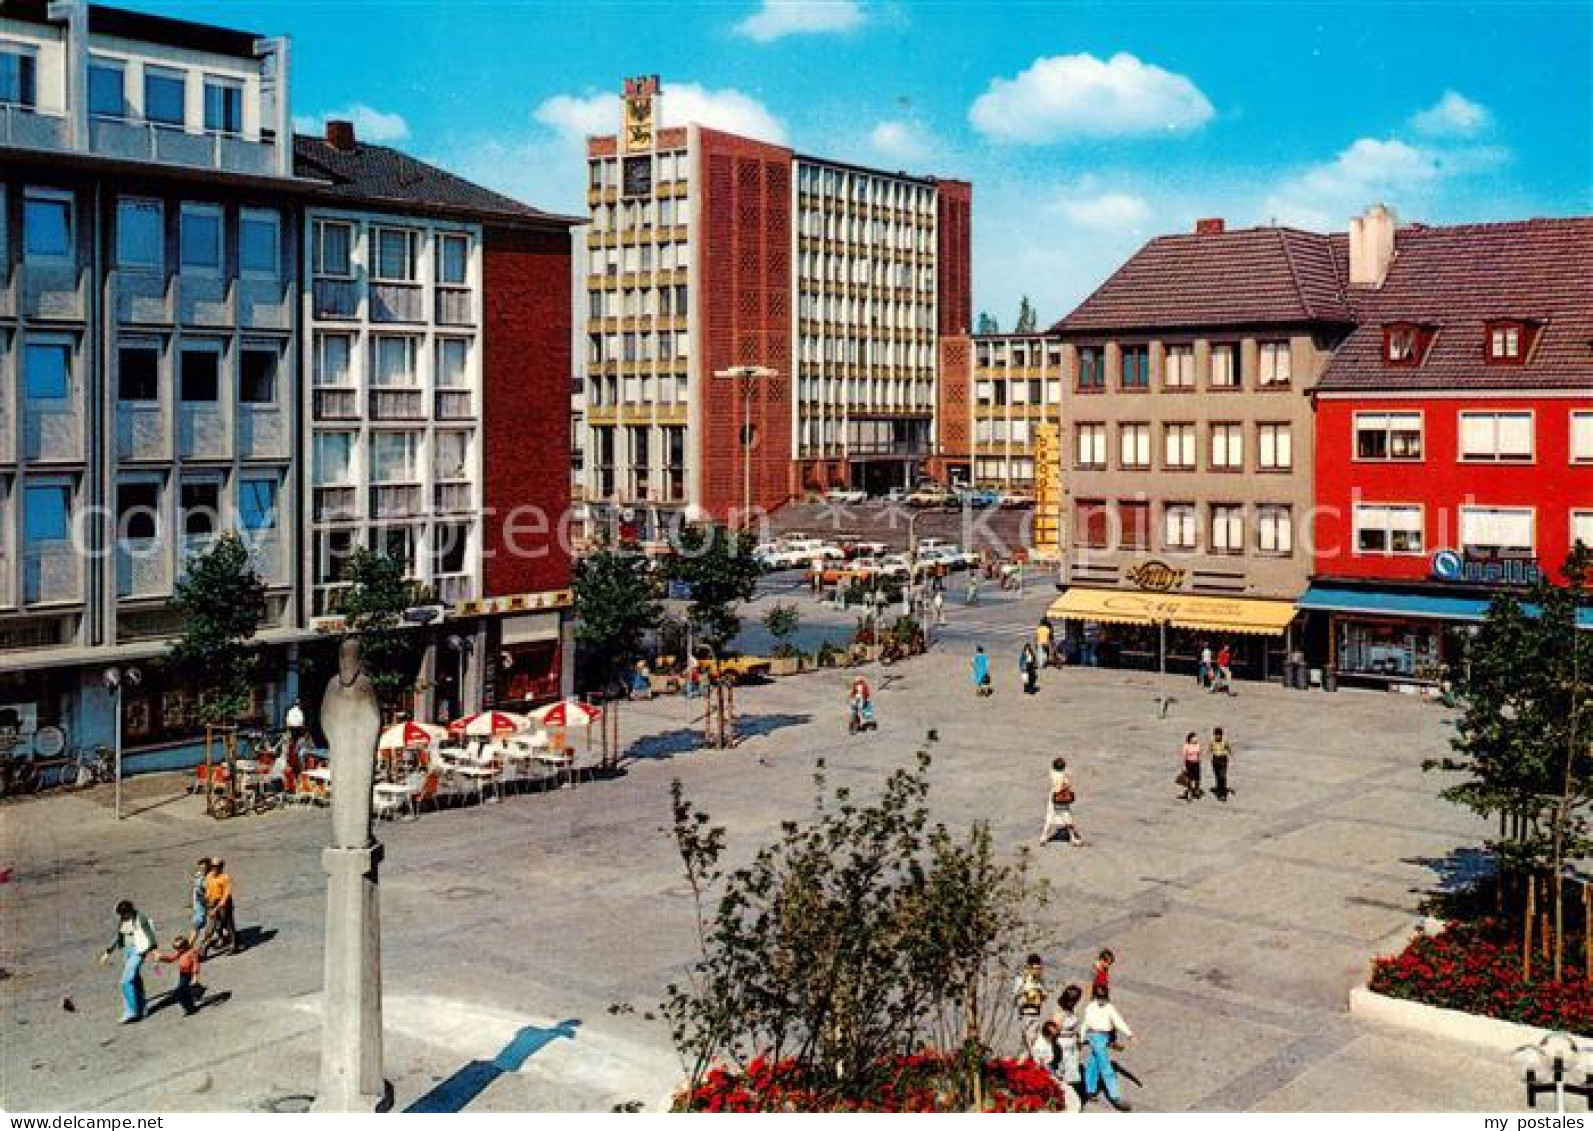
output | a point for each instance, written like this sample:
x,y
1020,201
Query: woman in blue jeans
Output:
x,y
136,938
1103,1025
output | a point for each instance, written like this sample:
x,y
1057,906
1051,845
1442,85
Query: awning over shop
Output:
x,y
1393,603
1216,614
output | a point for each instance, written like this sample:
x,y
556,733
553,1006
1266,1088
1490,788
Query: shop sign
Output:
x,y
1485,569
516,603
1157,577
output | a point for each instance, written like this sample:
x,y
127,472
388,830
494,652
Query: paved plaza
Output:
x,y
510,930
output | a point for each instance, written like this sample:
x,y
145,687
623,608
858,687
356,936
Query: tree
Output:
x,y
615,610
718,566
1524,742
782,622
221,602
862,934
373,608
985,324
1027,320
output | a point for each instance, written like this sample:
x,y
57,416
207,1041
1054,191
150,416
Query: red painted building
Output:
x,y
1454,436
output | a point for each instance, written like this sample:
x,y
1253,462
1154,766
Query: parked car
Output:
x,y
1017,502
895,565
930,495
843,496
896,495
978,497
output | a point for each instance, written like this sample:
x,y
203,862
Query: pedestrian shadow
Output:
x,y
756,725
204,1001
251,937
464,1086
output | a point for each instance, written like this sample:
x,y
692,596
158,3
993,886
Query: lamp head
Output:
x,y
112,679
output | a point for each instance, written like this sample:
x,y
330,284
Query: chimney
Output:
x,y
1371,246
1211,227
340,135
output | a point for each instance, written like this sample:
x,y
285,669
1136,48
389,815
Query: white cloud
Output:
x,y
897,139
1105,212
1453,115
370,124
574,117
776,19
1082,96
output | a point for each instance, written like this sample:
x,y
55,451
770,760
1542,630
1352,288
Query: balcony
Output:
x,y
50,576
25,128
202,431
141,570
144,298
455,404
53,292
262,431
335,298
396,500
397,404
398,302
337,404
52,431
141,431
454,307
205,300
132,139
263,304
451,498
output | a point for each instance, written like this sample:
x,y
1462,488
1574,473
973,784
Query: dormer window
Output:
x,y
1506,343
1404,343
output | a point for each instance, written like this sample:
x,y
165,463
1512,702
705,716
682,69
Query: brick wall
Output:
x,y
526,405
954,404
954,202
743,317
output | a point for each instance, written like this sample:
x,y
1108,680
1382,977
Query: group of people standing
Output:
x,y
1075,1045
1220,751
213,927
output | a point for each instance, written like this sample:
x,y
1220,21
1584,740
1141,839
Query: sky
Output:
x,y
1086,129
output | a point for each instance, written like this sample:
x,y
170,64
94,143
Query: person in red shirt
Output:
x,y
1103,971
186,958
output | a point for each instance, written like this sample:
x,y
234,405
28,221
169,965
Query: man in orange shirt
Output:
x,y
222,929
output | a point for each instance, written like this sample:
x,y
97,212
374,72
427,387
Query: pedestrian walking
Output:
x,y
1189,777
1029,664
1220,750
135,937
198,906
971,593
1043,637
186,959
1204,676
940,607
221,928
1222,680
1104,1029
981,672
1059,805
1069,1033
1101,973
1028,998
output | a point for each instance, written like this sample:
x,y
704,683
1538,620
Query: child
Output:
x,y
187,960
1028,997
1103,971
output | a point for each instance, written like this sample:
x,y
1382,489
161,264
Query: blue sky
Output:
x,y
1085,128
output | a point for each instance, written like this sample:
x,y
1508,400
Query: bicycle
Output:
x,y
19,776
89,767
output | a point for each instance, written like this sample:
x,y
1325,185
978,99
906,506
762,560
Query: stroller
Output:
x,y
861,716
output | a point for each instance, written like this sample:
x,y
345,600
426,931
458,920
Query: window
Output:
x,y
451,455
393,457
1227,529
165,96
453,259
1135,367
334,249
138,373
47,226
1388,435
1275,530
1275,364
1401,344
1135,519
46,512
1506,344
18,76
1091,441
201,239
1496,530
332,462
1224,370
1178,367
140,235
1093,523
257,504
448,551
1092,368
1178,447
1275,447
393,362
453,361
395,255
396,543
259,243
137,511
200,375
107,89
1582,528
223,106
1227,447
1134,445
47,371
199,502
333,353
1179,526
1496,436
1388,529
257,376
333,549
1582,437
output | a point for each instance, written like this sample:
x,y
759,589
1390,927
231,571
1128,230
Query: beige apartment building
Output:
x,y
1017,390
1187,453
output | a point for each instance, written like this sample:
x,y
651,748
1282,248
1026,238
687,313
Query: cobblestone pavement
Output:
x,y
510,929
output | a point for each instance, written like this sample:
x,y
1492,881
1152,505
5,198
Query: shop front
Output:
x,y
527,656
1166,632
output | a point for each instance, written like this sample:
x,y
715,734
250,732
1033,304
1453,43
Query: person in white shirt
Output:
x,y
135,936
1069,1073
1102,1025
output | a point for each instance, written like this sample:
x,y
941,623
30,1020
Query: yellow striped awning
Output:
x,y
1216,614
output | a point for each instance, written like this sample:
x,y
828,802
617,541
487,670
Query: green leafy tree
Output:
x,y
221,601
1524,741
1027,320
718,566
615,610
986,324
782,622
373,607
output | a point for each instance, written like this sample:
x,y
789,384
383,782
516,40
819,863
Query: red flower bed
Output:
x,y
917,1083
1476,969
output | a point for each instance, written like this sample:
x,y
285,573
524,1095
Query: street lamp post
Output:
x,y
748,375
1549,1064
113,684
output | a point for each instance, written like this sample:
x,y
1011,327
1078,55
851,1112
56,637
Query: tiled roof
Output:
x,y
379,176
1251,276
1457,279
